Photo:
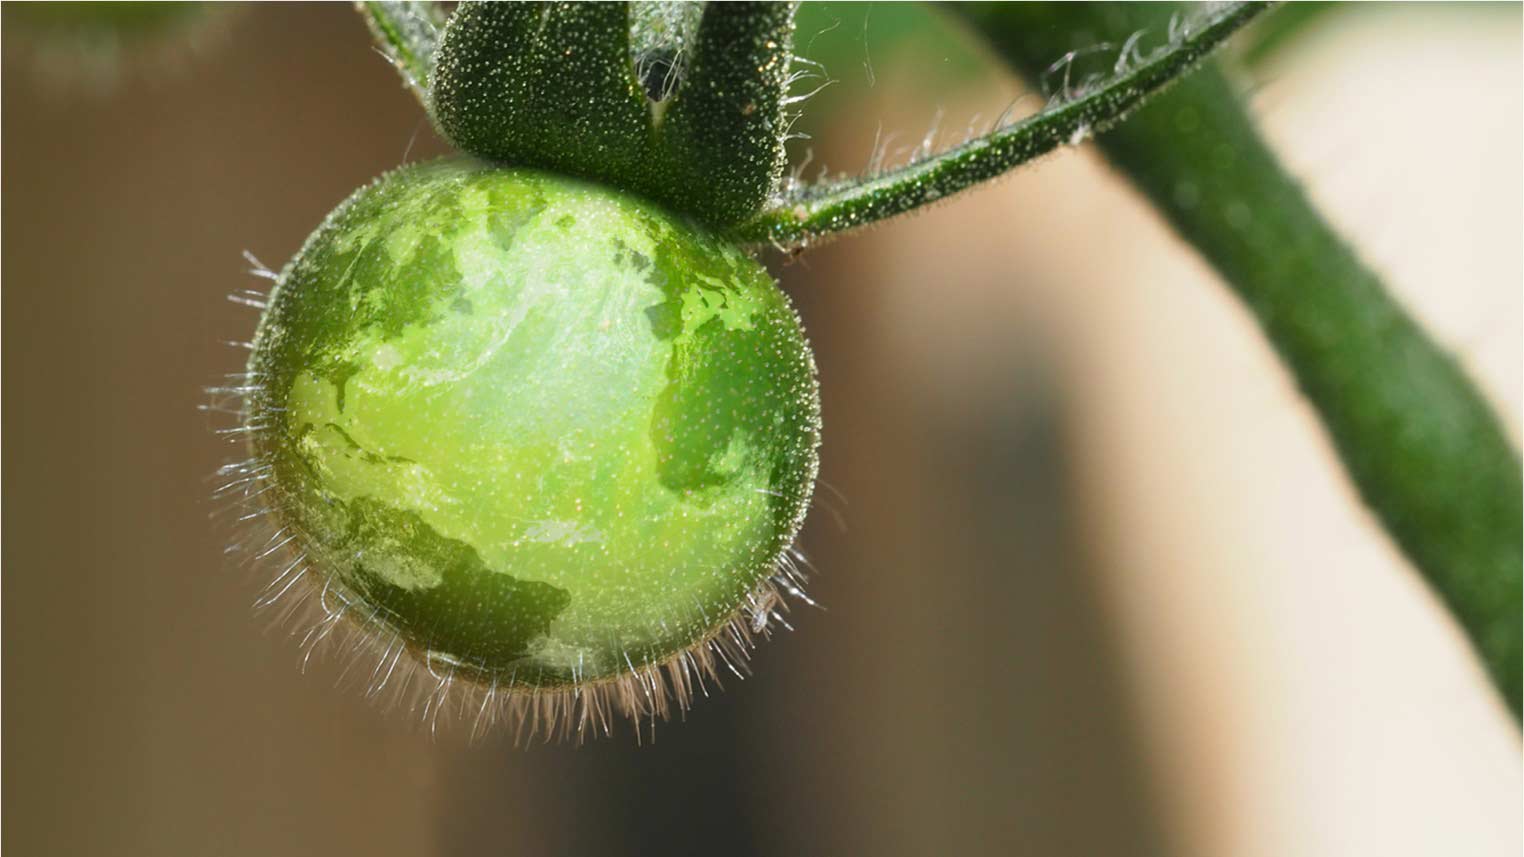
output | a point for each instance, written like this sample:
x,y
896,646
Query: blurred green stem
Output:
x,y
1291,22
1421,444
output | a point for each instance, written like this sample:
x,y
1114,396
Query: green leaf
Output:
x,y
548,85
1419,441
809,213
723,134
685,110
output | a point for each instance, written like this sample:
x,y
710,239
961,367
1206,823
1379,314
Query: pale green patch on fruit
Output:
x,y
535,427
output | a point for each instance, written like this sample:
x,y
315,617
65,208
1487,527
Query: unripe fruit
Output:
x,y
542,435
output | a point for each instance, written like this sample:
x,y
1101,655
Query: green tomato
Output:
x,y
536,430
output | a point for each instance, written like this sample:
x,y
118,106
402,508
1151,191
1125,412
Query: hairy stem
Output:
x,y
808,214
1421,444
407,32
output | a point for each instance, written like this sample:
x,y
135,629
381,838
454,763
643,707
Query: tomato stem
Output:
x,y
1417,438
806,214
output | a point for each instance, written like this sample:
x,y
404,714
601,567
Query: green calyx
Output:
x,y
536,429
683,107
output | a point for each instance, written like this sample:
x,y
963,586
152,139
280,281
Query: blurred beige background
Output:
x,y
1100,587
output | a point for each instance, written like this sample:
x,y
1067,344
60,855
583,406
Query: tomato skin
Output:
x,y
534,428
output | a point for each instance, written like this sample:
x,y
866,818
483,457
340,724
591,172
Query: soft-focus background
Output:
x,y
1093,581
